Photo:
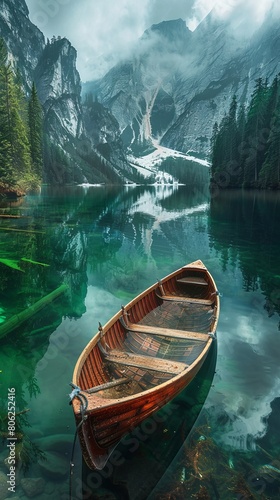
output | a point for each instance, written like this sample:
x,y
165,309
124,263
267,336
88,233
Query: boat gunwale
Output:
x,y
109,402
102,403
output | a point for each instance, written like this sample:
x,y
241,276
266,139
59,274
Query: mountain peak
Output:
x,y
19,5
171,36
171,30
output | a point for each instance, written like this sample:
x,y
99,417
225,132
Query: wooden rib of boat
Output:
x,y
142,358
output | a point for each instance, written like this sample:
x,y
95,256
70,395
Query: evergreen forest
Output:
x,y
245,146
21,132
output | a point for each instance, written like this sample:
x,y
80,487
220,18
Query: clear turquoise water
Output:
x,y
107,245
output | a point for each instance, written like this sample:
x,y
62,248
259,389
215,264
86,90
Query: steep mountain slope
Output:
x,y
139,92
180,82
226,66
24,41
173,89
71,153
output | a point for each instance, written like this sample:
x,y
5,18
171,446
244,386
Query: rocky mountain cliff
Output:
x,y
72,153
180,82
24,41
173,88
139,91
225,66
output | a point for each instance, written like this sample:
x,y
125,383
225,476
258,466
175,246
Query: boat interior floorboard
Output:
x,y
166,332
178,316
190,300
145,362
192,280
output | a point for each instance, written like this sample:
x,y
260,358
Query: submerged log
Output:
x,y
8,216
19,318
22,230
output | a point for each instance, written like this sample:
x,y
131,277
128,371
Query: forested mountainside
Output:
x,y
172,89
70,151
178,83
246,144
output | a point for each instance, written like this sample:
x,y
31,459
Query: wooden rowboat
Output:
x,y
142,358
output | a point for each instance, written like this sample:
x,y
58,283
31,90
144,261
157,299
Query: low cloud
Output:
x,y
105,31
244,17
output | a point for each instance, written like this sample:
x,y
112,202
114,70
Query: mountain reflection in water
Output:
x,y
107,245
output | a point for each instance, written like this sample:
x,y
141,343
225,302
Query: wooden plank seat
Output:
x,y
164,332
189,300
192,280
108,385
145,362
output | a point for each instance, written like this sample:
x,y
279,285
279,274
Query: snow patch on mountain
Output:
x,y
147,165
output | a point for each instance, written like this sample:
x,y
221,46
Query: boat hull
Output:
x,y
152,348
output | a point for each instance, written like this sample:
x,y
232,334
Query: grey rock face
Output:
x,y
225,67
52,66
139,92
173,88
56,72
24,41
178,83
59,88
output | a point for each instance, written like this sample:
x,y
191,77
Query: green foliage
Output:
x,y
59,169
19,152
245,146
270,171
187,172
35,120
11,263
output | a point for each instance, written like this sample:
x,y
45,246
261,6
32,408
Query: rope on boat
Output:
x,y
76,393
212,335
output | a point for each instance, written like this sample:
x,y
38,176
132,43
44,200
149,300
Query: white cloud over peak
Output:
x,y
105,31
102,31
244,16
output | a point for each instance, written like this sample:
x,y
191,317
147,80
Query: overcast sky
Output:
x,y
103,31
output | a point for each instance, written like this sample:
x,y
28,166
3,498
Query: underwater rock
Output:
x,y
50,488
57,442
32,486
9,498
56,466
45,496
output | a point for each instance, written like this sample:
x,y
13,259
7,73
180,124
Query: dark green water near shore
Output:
x,y
220,438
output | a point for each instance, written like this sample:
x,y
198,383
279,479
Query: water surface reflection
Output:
x,y
107,245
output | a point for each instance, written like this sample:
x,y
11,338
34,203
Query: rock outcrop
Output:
x,y
178,83
71,153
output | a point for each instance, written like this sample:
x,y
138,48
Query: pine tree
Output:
x,y
255,134
6,153
272,100
216,149
270,171
214,137
241,125
14,144
35,120
224,148
232,156
20,133
246,151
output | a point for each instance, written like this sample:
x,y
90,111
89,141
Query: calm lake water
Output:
x,y
220,438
